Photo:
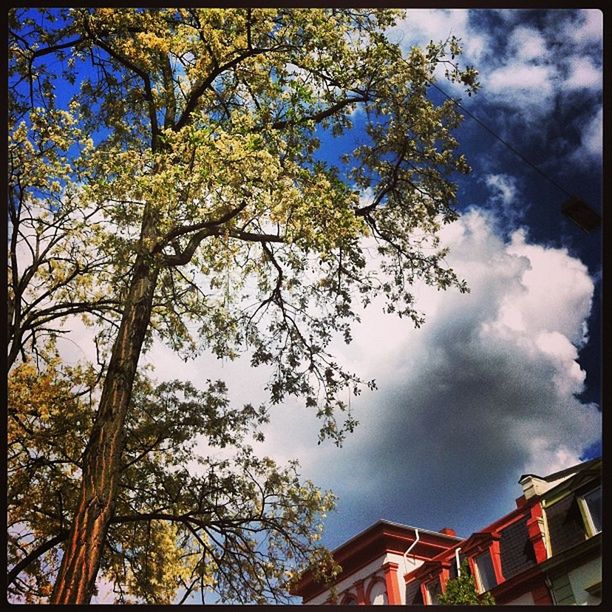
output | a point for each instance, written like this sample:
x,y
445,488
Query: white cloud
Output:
x,y
504,187
584,74
591,142
527,67
587,29
559,290
419,26
532,66
504,194
484,392
522,85
527,43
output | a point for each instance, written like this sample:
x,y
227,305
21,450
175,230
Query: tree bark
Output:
x,y
76,579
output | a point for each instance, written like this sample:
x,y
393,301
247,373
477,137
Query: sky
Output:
x,y
506,379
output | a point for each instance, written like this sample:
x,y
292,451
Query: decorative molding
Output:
x,y
361,598
393,594
536,531
373,582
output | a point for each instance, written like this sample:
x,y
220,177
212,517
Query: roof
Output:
x,y
512,531
565,472
379,539
384,522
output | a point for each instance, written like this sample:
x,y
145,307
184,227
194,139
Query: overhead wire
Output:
x,y
507,144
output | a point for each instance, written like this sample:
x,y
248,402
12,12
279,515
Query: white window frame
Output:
x,y
479,582
586,512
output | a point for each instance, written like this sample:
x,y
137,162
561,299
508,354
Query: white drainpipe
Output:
x,y
416,531
457,561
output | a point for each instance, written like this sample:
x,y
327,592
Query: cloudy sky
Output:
x,y
506,379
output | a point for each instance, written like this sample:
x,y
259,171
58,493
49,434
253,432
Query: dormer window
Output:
x,y
434,590
484,558
485,571
590,506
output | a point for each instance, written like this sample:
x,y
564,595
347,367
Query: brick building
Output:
x,y
546,551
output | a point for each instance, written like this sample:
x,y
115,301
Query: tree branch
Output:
x,y
318,117
124,61
32,556
186,229
53,48
198,90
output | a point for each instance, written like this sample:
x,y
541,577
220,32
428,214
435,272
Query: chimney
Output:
x,y
521,501
448,531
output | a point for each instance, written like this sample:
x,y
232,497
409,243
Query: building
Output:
x,y
374,563
547,551
572,508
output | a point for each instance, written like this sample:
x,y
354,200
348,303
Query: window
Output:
x,y
433,591
486,573
413,594
590,505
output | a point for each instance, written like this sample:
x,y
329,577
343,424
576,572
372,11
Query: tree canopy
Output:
x,y
461,591
223,522
170,176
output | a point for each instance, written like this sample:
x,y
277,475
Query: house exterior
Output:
x,y
547,551
573,512
374,563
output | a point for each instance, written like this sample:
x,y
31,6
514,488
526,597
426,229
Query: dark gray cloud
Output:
x,y
483,392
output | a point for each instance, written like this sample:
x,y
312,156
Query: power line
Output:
x,y
507,144
574,208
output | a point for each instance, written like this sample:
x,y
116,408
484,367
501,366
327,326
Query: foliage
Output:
x,y
57,267
461,591
211,119
216,519
168,179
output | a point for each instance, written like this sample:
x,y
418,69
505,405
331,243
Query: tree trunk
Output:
x,y
101,462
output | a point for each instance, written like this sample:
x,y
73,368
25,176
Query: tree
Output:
x,y
461,591
223,521
226,228
55,267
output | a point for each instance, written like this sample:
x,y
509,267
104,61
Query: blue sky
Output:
x,y
506,379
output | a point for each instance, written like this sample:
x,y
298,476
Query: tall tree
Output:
x,y
218,519
230,230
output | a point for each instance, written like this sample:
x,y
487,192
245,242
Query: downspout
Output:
x,y
416,531
457,561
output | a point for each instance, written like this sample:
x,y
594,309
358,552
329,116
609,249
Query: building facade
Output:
x,y
547,551
374,563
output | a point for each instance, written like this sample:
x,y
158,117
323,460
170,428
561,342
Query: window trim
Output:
x,y
478,573
587,516
349,599
487,542
427,584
